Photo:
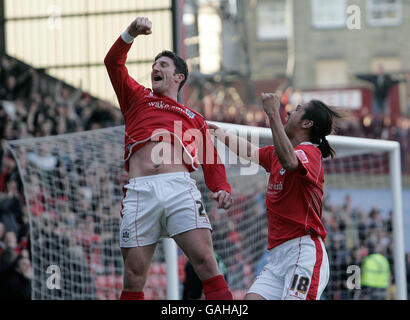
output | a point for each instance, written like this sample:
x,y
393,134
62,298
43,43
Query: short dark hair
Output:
x,y
323,117
180,64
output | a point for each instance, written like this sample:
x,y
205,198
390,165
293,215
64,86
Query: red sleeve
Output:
x,y
124,86
265,156
212,166
310,161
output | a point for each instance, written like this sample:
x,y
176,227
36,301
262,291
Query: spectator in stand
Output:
x,y
101,117
16,84
375,277
15,282
382,84
10,251
11,207
64,97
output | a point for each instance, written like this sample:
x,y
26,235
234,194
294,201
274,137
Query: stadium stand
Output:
x,y
33,104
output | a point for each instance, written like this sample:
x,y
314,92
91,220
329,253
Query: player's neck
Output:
x,y
172,94
298,139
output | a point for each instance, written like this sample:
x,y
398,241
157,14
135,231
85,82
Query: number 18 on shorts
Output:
x,y
297,270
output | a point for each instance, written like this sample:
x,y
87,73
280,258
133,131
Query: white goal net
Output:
x,y
73,191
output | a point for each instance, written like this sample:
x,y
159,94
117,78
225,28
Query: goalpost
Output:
x,y
393,150
73,191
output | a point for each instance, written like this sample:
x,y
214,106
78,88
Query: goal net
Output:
x,y
73,192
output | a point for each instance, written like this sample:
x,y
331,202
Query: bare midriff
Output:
x,y
156,158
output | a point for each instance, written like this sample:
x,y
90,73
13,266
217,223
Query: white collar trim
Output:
x,y
308,143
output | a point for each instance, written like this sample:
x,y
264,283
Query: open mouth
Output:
x,y
157,78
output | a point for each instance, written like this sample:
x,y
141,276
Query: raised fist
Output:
x,y
140,25
270,102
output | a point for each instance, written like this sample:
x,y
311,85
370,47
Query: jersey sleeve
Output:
x,y
265,156
310,161
125,87
212,166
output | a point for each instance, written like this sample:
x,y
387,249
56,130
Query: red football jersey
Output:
x,y
294,198
153,117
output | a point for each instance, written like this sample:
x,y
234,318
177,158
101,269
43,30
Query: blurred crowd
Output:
x,y
354,234
32,104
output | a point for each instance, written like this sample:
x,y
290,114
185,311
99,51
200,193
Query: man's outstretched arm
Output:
x,y
238,145
124,86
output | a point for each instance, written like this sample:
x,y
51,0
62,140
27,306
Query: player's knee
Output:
x,y
205,266
133,279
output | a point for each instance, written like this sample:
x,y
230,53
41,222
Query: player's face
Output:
x,y
294,119
163,75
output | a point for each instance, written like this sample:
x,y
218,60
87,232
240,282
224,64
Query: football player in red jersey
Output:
x,y
298,266
164,141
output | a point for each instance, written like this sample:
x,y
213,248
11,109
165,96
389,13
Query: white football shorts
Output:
x,y
297,269
160,206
